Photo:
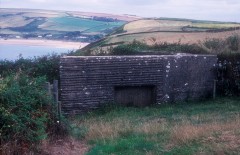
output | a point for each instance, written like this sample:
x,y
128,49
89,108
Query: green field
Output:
x,y
78,24
206,127
58,25
215,25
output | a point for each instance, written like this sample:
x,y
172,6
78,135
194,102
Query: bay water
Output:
x,y
12,52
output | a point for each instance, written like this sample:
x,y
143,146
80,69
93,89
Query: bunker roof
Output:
x,y
178,55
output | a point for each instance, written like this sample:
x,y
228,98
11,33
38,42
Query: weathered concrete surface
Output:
x,y
87,82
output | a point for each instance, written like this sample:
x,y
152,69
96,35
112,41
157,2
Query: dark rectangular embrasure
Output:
x,y
139,96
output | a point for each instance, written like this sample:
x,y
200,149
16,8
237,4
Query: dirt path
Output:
x,y
67,146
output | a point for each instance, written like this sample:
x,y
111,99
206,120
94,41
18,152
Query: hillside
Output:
x,y
166,30
58,25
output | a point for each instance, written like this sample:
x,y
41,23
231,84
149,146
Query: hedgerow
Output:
x,y
26,112
47,65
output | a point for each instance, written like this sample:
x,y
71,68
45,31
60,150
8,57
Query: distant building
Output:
x,y
49,35
81,37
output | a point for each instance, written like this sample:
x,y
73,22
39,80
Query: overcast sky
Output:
x,y
220,10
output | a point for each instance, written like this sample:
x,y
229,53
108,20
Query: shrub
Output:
x,y
139,48
47,65
215,45
233,42
133,48
25,110
228,74
173,48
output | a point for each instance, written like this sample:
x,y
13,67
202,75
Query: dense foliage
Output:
x,y
26,111
228,74
137,48
47,65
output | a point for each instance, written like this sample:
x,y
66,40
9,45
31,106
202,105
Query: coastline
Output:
x,y
42,42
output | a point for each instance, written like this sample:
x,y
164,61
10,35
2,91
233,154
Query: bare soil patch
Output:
x,y
65,146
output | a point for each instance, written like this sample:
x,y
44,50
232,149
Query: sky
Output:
x,y
217,10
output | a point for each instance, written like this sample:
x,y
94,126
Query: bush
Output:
x,y
228,74
133,48
139,48
47,65
174,48
214,44
233,42
25,111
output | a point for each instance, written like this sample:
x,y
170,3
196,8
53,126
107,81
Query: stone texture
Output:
x,y
88,81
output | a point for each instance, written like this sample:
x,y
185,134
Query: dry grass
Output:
x,y
182,132
215,25
106,129
110,129
186,131
14,21
102,129
192,129
145,25
154,126
226,140
172,37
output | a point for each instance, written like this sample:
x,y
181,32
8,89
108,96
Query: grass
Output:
x,y
13,20
206,127
148,25
165,31
216,25
78,24
196,38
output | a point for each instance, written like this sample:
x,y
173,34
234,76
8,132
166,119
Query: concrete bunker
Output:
x,y
87,82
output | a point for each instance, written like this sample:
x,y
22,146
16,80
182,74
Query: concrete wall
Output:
x,y
87,82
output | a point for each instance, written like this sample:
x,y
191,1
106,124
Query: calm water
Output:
x,y
12,52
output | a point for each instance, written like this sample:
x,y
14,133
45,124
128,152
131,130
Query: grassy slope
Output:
x,y
209,127
169,30
148,25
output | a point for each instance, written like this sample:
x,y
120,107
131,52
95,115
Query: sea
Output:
x,y
14,52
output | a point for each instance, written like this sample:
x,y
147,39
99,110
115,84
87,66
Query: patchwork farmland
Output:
x,y
58,25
